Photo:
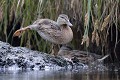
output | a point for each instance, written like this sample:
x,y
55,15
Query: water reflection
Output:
x,y
58,75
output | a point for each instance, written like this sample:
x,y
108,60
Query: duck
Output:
x,y
57,32
76,56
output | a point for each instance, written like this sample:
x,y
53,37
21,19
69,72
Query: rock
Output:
x,y
24,58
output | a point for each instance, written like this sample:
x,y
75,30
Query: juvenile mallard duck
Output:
x,y
74,55
79,56
55,32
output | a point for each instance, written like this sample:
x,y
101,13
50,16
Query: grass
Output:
x,y
92,20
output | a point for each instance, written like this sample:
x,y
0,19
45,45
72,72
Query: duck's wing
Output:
x,y
47,24
49,30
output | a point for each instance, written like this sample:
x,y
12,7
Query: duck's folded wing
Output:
x,y
51,34
47,24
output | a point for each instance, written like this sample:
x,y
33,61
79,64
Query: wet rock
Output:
x,y
9,62
2,63
21,62
32,66
41,67
57,60
24,58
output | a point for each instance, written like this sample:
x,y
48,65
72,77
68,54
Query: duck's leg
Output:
x,y
20,31
55,49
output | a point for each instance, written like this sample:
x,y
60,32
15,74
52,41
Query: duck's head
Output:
x,y
63,20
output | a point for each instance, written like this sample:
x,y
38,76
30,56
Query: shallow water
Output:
x,y
58,75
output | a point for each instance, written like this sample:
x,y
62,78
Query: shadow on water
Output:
x,y
59,75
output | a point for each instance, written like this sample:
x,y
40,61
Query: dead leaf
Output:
x,y
105,23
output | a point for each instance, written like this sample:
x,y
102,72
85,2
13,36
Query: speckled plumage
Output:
x,y
55,32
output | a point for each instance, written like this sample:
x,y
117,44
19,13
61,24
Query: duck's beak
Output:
x,y
69,24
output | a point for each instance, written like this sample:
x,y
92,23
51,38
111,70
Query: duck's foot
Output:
x,y
20,31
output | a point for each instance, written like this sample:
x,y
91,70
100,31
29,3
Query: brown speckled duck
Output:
x,y
79,56
55,32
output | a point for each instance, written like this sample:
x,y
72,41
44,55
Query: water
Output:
x,y
58,75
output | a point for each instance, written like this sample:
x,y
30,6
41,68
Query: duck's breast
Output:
x,y
67,35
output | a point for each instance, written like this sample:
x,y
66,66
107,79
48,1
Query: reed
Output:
x,y
91,19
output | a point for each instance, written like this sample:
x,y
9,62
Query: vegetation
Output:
x,y
92,20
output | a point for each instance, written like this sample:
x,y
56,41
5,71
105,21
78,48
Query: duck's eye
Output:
x,y
62,17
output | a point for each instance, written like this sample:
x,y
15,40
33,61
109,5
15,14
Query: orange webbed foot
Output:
x,y
18,32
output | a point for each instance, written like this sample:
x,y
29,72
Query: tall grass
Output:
x,y
91,19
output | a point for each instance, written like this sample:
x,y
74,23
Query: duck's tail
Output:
x,y
103,57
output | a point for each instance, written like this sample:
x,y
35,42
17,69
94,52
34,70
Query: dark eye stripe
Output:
x,y
64,18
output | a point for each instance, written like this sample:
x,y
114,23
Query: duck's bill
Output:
x,y
69,24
